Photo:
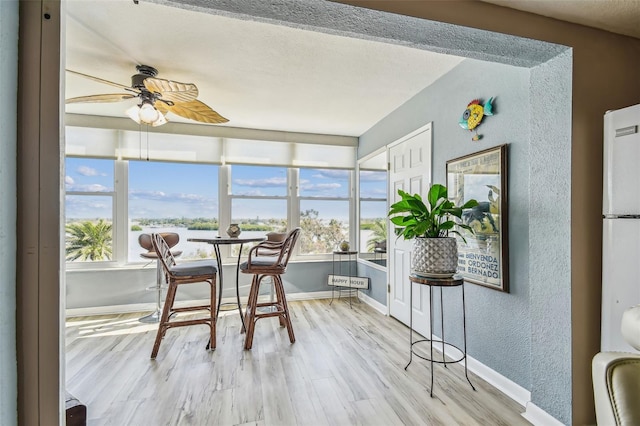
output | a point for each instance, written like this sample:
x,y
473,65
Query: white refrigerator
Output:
x,y
621,223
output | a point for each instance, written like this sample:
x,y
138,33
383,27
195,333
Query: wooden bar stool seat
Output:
x,y
268,259
184,273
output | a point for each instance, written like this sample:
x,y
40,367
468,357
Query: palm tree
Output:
x,y
89,241
379,228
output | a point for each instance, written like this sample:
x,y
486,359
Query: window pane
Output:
x,y
259,215
259,181
89,228
324,225
373,184
256,217
88,175
173,197
324,183
373,226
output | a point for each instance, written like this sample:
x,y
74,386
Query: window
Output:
x,y
110,203
89,210
258,200
172,197
373,211
324,206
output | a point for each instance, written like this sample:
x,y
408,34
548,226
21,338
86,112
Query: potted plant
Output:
x,y
435,253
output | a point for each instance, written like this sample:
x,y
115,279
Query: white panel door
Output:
x,y
409,170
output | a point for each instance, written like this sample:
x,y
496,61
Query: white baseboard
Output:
x,y
538,417
534,414
508,387
309,296
150,307
109,310
373,303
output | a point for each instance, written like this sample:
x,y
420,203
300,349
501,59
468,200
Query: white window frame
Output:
x,y
116,219
296,199
123,145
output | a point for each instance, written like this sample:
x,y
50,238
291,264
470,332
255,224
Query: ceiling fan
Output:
x,y
157,97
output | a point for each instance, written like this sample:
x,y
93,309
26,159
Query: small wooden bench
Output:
x,y
76,412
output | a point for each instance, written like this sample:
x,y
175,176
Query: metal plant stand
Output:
x,y
454,281
351,272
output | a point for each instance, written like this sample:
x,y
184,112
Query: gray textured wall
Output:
x,y
377,282
550,235
8,120
498,323
501,326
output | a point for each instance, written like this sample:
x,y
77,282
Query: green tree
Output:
x,y
318,237
379,228
89,241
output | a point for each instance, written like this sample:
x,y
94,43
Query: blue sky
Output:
x,y
170,190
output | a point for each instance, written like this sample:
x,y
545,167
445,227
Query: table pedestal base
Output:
x,y
152,318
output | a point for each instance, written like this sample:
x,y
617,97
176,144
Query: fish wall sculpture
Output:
x,y
473,115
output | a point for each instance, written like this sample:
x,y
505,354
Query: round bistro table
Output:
x,y
217,242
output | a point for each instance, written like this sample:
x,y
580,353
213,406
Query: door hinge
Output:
x,y
388,288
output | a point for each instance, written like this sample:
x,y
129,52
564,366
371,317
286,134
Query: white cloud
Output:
x,y
68,180
332,174
88,171
262,183
251,193
374,193
92,187
182,198
371,176
317,187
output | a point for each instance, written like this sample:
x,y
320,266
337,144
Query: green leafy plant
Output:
x,y
89,241
413,218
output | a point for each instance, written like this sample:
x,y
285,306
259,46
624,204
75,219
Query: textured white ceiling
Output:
x,y
258,75
285,77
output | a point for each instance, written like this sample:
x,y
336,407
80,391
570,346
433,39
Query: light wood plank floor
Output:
x,y
346,368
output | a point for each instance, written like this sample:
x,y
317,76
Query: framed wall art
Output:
x,y
484,258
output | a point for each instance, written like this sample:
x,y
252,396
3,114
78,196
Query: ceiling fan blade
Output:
x,y
162,107
172,90
101,80
198,111
111,97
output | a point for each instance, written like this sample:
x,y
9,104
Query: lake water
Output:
x,y
192,250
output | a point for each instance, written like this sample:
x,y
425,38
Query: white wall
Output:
x,y
8,120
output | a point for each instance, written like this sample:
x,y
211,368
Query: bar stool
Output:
x,y
146,243
268,259
184,273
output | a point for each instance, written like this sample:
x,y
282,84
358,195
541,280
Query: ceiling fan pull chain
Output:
x,y
147,142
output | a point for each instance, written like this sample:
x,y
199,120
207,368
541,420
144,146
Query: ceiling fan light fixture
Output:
x,y
160,121
134,113
146,113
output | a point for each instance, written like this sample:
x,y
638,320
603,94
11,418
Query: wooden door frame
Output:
x,y
39,266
